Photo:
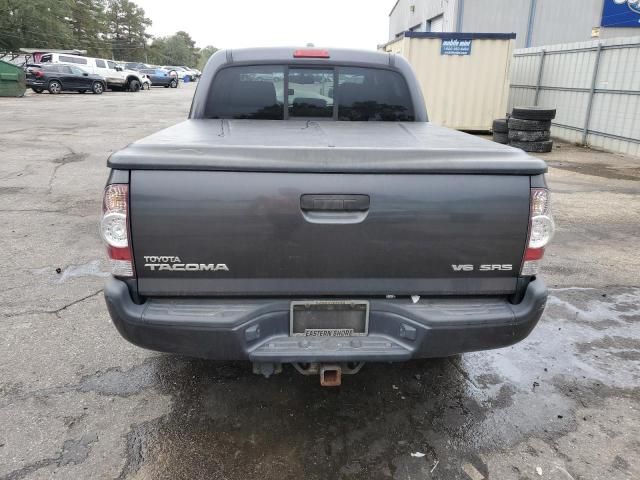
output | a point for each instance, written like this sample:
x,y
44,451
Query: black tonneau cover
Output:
x,y
323,147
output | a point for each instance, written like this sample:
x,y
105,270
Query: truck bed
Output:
x,y
440,198
323,147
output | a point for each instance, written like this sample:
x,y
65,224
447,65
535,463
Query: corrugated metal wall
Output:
x,y
595,87
497,16
464,92
553,21
562,21
402,18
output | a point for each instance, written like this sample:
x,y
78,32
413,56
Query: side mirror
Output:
x,y
118,69
85,74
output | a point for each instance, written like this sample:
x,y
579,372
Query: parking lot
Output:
x,y
77,401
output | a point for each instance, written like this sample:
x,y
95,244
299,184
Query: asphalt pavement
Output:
x,y
79,402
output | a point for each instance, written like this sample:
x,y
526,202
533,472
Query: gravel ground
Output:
x,y
77,401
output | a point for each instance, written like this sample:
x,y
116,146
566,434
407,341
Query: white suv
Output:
x,y
117,78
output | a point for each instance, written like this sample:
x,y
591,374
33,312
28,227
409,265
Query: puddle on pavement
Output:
x,y
226,422
91,269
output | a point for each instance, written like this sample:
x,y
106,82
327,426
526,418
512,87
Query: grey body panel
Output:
x,y
312,209
415,229
317,146
258,329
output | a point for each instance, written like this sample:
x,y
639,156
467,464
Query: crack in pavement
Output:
x,y
7,132
70,157
55,312
73,452
67,211
113,381
30,468
30,210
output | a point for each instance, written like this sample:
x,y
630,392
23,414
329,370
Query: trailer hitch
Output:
x,y
330,373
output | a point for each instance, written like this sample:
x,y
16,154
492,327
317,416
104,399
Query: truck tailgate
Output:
x,y
226,233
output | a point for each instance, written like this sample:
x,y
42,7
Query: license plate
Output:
x,y
329,318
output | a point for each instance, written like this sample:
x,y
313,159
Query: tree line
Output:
x,y
104,28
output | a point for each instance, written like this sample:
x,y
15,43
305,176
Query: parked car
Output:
x,y
60,77
146,82
135,66
194,71
277,227
117,78
181,72
160,77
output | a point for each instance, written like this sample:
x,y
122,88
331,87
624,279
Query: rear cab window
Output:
x,y
253,92
365,94
280,92
310,92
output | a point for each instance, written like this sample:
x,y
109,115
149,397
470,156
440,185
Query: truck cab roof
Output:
x,y
315,57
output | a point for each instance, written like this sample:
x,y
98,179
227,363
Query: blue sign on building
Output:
x,y
455,46
621,13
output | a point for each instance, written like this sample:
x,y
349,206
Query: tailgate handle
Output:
x,y
335,203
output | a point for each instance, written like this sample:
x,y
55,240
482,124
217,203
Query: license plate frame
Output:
x,y
327,315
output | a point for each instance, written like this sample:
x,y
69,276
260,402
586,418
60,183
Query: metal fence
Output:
x,y
594,85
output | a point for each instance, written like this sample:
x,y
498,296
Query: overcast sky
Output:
x,y
253,23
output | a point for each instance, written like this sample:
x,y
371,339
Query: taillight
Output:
x,y
311,53
541,230
114,228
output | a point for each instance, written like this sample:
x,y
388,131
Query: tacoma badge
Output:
x,y
174,264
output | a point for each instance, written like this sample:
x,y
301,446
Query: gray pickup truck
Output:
x,y
308,213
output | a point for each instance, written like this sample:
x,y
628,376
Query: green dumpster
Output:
x,y
12,80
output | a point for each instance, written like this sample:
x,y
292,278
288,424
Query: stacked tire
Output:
x,y
501,131
529,129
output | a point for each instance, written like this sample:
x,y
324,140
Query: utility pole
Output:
x,y
460,18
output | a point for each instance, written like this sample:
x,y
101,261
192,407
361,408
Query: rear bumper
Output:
x,y
257,329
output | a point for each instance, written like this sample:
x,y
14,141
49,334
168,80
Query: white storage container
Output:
x,y
464,76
